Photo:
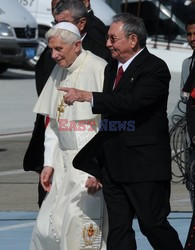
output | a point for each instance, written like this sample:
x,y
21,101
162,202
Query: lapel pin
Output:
x,y
132,79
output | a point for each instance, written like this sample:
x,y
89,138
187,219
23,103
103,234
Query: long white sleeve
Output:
x,y
51,144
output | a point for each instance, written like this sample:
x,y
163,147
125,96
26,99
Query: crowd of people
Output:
x,y
101,137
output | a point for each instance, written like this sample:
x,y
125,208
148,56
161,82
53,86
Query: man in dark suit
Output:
x,y
92,29
189,87
96,31
34,156
131,153
73,11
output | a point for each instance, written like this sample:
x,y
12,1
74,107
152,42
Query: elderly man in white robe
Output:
x,y
70,218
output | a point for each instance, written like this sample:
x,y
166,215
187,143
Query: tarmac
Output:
x,y
18,189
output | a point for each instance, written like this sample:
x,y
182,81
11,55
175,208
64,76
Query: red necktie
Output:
x,y
118,76
47,120
193,93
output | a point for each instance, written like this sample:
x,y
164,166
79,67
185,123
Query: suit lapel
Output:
x,y
110,75
130,73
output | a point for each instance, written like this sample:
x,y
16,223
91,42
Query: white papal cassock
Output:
x,y
69,218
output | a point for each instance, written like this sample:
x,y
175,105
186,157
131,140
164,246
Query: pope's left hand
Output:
x,y
45,177
72,95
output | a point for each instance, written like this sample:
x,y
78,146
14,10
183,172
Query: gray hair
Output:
x,y
77,8
67,36
132,24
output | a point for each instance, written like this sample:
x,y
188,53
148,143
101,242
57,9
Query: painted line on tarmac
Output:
x,y
15,134
12,172
13,227
180,200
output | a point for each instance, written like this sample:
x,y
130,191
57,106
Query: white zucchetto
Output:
x,y
67,26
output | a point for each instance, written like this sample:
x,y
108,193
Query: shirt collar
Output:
x,y
127,63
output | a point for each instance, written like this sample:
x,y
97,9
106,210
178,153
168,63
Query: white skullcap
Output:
x,y
67,26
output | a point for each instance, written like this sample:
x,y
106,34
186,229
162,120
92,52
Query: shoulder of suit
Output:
x,y
94,20
97,34
113,64
155,58
95,26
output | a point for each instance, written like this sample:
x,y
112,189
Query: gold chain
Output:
x,y
61,106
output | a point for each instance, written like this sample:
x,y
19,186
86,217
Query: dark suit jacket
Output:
x,y
93,41
141,96
190,117
190,107
43,69
34,156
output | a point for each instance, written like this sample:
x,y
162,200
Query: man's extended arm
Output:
x,y
72,95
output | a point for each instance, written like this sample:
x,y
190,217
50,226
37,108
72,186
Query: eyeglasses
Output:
x,y
113,39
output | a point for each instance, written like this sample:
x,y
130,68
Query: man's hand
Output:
x,y
72,95
93,185
46,176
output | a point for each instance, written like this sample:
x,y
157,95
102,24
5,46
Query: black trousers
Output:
x,y
190,241
149,201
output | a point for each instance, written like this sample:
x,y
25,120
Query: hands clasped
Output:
x,y
72,95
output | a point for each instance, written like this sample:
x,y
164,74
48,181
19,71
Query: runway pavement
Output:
x,y
18,189
18,199
17,98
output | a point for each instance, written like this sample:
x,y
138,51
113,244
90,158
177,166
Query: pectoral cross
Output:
x,y
60,109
